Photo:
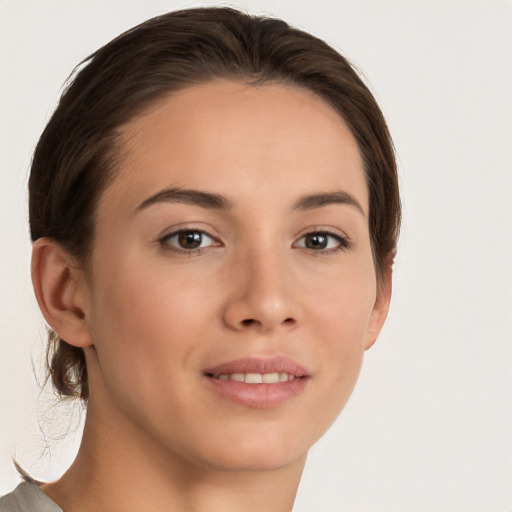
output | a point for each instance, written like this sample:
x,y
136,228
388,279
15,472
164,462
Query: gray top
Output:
x,y
27,497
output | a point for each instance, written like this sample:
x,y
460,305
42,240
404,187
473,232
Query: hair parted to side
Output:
x,y
77,153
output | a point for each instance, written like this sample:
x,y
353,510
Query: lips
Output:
x,y
258,382
258,365
256,378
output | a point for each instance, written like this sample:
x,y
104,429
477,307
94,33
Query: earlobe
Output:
x,y
60,292
380,308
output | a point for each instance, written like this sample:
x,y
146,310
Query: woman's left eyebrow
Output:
x,y
310,202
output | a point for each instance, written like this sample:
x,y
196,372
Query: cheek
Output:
x,y
145,323
145,297
342,319
146,332
343,301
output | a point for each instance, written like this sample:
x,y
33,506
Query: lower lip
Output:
x,y
259,396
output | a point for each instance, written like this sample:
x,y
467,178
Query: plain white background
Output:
x,y
429,427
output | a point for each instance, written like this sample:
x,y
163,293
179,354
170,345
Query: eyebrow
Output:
x,y
219,202
313,201
193,197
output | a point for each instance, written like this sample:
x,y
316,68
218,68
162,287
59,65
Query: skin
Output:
x,y
151,318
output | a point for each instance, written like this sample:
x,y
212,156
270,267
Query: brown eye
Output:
x,y
187,240
323,241
190,239
316,241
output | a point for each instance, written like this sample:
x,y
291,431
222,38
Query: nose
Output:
x,y
262,297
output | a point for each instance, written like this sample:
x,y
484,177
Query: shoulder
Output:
x,y
27,497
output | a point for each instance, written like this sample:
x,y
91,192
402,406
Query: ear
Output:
x,y
60,290
381,306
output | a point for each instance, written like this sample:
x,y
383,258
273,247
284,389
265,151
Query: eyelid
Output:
x,y
198,226
344,241
163,240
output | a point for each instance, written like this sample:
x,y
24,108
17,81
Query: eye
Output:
x,y
187,240
323,241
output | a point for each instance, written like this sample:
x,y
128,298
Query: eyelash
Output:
x,y
164,241
343,242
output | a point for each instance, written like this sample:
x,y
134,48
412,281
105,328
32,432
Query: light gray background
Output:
x,y
429,427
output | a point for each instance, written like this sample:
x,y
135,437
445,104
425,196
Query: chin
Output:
x,y
254,451
254,461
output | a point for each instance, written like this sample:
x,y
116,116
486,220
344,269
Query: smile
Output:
x,y
259,383
256,378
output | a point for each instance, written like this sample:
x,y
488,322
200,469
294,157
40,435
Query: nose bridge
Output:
x,y
266,276
262,297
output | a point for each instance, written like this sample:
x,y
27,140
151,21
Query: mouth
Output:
x,y
255,378
258,382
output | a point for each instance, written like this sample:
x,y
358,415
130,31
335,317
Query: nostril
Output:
x,y
248,322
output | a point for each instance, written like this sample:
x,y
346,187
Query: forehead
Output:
x,y
242,141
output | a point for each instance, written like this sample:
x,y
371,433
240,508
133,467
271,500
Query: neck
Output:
x,y
120,468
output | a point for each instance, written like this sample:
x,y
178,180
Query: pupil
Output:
x,y
316,241
190,239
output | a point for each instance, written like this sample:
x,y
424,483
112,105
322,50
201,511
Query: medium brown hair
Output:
x,y
76,156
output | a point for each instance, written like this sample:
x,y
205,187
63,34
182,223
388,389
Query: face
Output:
x,y
232,291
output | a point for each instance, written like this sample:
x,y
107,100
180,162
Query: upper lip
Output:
x,y
279,364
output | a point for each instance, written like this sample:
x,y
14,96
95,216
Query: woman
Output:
x,y
214,209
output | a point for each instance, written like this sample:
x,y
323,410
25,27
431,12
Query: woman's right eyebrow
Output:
x,y
187,196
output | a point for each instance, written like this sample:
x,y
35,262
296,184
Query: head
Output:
x,y
192,56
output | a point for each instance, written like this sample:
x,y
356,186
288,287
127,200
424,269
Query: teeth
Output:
x,y
270,378
253,378
256,378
